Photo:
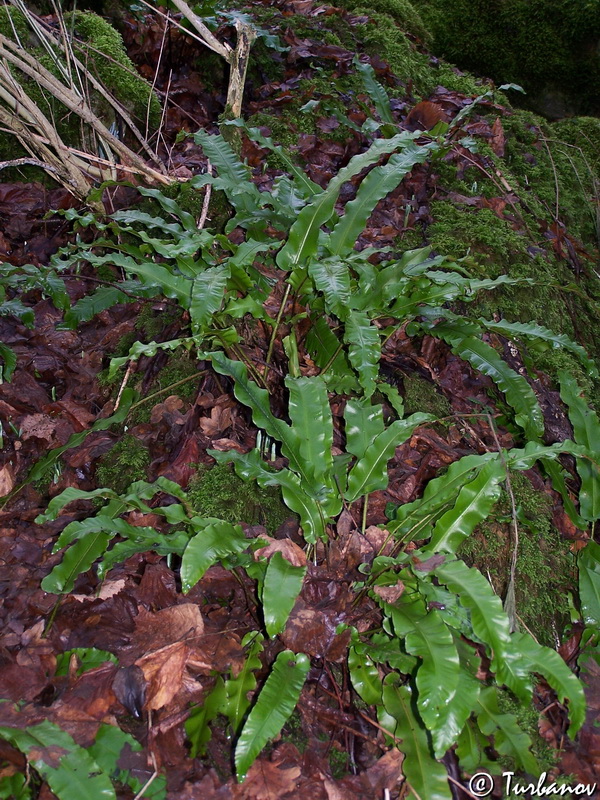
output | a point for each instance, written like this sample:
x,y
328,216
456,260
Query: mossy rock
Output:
x,y
126,462
545,564
403,12
550,47
218,492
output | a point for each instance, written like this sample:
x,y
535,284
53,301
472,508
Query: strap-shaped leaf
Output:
x,y
364,350
471,746
490,624
207,293
9,357
235,176
78,558
312,427
509,739
365,676
375,90
302,182
377,184
437,676
586,427
519,394
197,725
439,493
533,331
70,771
548,663
150,274
274,706
425,775
85,309
304,234
331,276
238,690
257,399
214,541
370,473
171,207
311,511
281,588
557,475
464,700
588,562
364,422
474,503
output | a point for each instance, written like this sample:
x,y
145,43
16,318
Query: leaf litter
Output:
x,y
171,647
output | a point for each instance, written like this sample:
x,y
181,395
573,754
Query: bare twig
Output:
x,y
128,372
206,200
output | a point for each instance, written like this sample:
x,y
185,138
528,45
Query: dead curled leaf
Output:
x,y
389,593
288,549
164,671
7,480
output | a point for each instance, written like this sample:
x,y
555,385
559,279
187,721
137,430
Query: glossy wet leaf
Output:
x,y
588,562
70,771
239,690
364,349
586,427
547,662
281,588
425,775
509,738
214,541
274,706
490,624
78,558
518,393
473,504
370,473
437,676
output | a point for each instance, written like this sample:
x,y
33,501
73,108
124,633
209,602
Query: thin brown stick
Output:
x,y
206,202
128,372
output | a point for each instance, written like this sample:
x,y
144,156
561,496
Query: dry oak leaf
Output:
x,y
268,781
38,426
7,480
288,549
182,623
164,673
389,593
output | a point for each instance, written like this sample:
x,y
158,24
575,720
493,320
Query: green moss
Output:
x,y
218,492
548,46
528,719
103,55
456,231
13,21
112,66
402,12
177,369
126,462
421,395
545,564
501,250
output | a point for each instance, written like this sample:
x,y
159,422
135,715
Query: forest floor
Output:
x,y
333,746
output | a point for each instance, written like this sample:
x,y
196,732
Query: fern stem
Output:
x,y
332,359
167,388
276,328
364,514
